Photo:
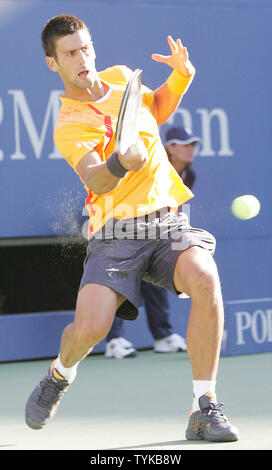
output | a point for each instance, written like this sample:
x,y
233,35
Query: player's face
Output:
x,y
75,60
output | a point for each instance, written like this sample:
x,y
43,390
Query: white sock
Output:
x,y
69,373
200,387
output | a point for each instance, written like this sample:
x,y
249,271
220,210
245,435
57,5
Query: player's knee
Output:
x,y
198,274
205,280
88,335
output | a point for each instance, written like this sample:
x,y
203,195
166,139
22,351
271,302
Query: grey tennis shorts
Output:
x,y
125,252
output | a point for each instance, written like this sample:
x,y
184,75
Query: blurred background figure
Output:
x,y
180,146
155,300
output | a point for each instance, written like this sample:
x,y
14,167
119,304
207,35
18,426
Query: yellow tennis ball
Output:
x,y
245,207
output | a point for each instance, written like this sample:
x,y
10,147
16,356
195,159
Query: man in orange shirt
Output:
x,y
135,232
180,146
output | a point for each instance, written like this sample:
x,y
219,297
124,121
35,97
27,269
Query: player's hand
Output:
x,y
135,157
179,58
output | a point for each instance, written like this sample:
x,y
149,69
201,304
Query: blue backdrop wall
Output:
x,y
228,106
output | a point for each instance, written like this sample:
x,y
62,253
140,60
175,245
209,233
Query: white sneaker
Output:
x,y
120,348
172,343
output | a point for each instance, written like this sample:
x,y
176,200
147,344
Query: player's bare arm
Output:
x,y
165,101
96,174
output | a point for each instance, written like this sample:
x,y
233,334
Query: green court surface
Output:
x,y
139,403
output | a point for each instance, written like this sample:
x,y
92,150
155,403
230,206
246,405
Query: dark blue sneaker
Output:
x,y
209,423
43,401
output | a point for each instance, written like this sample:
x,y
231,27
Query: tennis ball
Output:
x,y
245,207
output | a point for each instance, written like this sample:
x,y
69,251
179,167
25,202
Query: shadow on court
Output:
x,y
172,444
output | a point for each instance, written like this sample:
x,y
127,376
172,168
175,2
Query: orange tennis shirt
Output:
x,y
83,127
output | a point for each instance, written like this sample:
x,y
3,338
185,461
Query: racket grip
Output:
x,y
134,149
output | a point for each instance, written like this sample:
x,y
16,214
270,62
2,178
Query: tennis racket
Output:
x,y
127,128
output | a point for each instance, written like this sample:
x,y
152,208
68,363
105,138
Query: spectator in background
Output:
x,y
156,304
180,144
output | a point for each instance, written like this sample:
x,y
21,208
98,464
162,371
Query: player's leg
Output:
x,y
196,274
95,311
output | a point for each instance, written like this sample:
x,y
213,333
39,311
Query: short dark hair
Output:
x,y
57,27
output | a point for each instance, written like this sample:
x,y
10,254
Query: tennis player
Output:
x,y
134,230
